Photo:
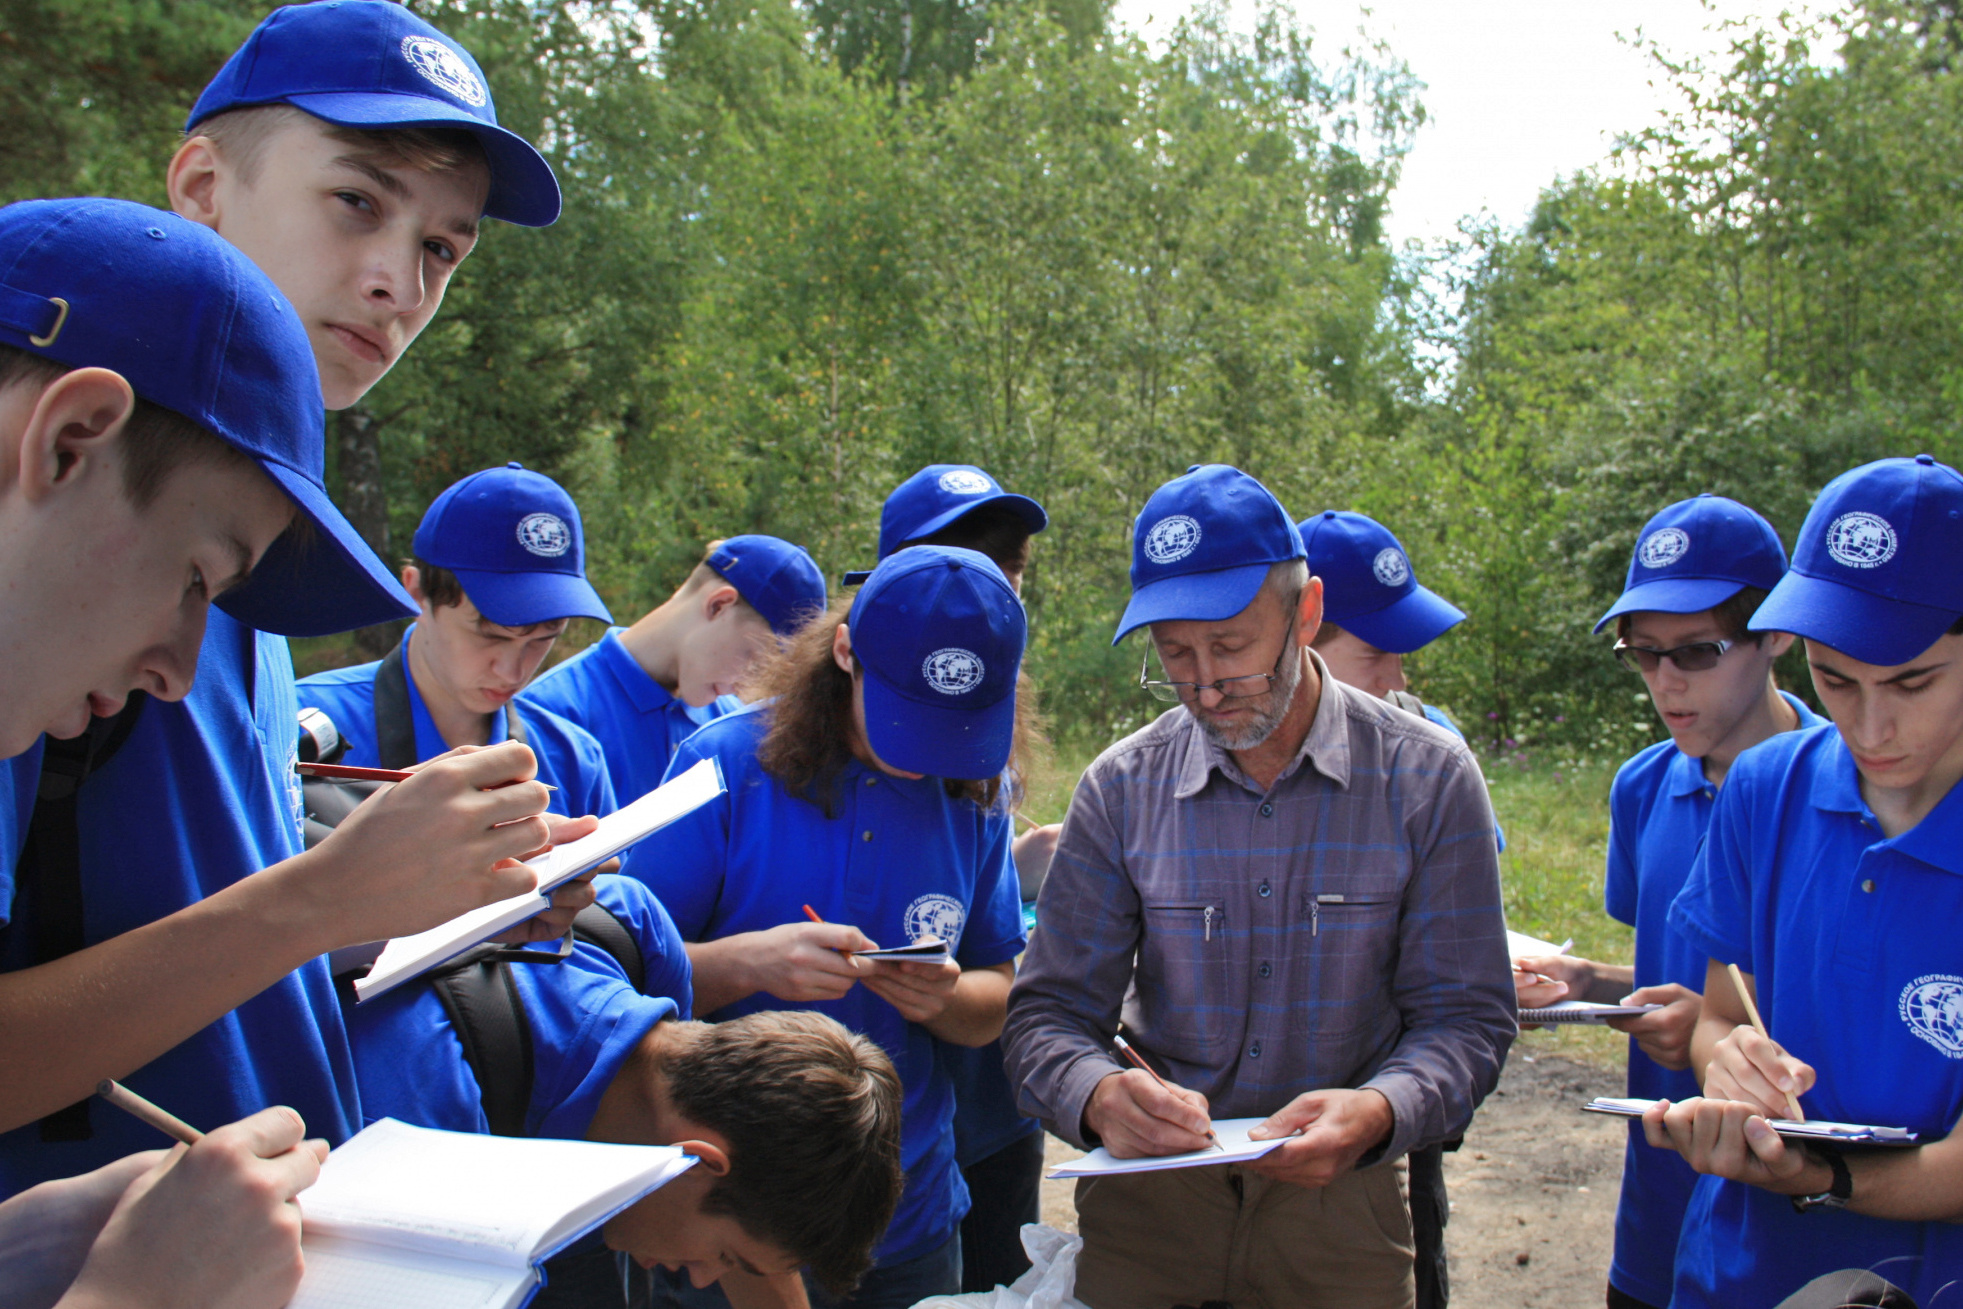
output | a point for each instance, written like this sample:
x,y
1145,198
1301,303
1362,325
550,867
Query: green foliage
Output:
x,y
783,282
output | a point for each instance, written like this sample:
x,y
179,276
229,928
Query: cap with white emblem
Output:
x,y
1367,584
514,540
371,64
1875,571
1203,545
1695,555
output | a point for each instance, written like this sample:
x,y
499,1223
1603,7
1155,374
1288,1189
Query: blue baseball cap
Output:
x,y
1875,570
937,496
1697,554
194,327
777,579
940,633
371,64
514,540
1202,547
1368,586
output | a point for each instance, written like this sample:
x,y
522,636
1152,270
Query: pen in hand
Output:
x,y
1124,1048
136,1106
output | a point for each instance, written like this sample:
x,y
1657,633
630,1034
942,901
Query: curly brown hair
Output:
x,y
811,733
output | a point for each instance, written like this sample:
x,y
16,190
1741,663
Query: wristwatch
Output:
x,y
1835,1196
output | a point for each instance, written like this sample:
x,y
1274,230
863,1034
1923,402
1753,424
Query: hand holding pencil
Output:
x,y
1748,1066
1138,1114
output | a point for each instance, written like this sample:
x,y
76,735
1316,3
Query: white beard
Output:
x,y
1280,696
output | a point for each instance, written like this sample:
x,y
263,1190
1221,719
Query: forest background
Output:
x,y
808,248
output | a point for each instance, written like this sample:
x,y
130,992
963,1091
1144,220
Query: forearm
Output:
x,y
112,1008
722,971
975,1013
1608,983
1712,1026
1915,1186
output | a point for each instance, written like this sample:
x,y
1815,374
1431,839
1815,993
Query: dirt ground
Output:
x,y
1533,1189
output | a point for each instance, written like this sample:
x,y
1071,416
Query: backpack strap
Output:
x,y
50,869
598,925
489,1016
395,722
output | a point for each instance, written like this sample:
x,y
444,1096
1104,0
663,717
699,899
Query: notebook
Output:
x,y
411,1218
930,951
1521,946
1234,1148
1817,1130
408,957
1581,1011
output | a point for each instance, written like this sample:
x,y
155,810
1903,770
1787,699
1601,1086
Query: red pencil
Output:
x,y
812,914
1124,1048
349,773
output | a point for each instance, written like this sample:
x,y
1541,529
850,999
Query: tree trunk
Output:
x,y
365,502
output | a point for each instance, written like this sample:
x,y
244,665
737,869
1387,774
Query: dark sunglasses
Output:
x,y
1692,658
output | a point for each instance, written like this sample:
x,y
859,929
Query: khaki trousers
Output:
x,y
1189,1235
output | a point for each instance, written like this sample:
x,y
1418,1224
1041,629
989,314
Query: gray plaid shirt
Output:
x,y
1342,929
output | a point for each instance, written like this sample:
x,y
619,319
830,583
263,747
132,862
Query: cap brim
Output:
x,y
1871,628
857,578
1199,597
315,586
939,742
1031,513
524,189
1672,595
1408,623
521,599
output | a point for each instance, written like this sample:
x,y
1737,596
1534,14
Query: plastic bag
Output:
x,y
1047,1285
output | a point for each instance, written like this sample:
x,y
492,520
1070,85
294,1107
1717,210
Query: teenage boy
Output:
x,y
868,785
999,1150
1700,569
605,1056
643,690
499,570
1832,877
360,227
159,444
1374,613
1288,893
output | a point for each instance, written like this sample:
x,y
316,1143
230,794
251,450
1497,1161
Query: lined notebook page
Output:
x,y
348,1275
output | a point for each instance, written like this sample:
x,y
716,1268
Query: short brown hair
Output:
x,y
444,590
1732,616
809,740
992,529
1324,635
811,1112
156,442
705,575
241,136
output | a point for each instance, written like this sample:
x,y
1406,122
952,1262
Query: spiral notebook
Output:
x,y
1581,1011
1817,1130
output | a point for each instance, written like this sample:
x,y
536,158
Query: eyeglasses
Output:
x,y
1230,688
1692,658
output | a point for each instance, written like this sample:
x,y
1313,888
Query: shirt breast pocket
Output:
x,y
1181,1004
1344,961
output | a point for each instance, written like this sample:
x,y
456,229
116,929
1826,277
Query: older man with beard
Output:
x,y
1288,892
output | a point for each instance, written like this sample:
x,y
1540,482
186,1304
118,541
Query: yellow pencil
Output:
x,y
1793,1111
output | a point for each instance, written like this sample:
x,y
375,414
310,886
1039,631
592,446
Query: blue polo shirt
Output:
x,y
1659,809
568,757
637,722
20,778
1852,938
901,860
585,1016
202,794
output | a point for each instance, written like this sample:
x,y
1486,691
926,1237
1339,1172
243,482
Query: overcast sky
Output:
x,y
1518,92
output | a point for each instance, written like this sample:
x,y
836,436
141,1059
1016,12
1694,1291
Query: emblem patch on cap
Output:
x,y
545,535
1860,540
962,481
953,671
1172,539
939,916
1932,1006
1662,548
1391,567
442,66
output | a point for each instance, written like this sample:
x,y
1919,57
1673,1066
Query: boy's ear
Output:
x,y
842,647
192,180
717,601
71,428
412,582
711,1159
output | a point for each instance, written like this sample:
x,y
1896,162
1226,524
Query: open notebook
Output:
x,y
1818,1129
411,1218
408,957
1234,1148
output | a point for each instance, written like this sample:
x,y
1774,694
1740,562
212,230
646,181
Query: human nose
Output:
x,y
396,276
167,669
